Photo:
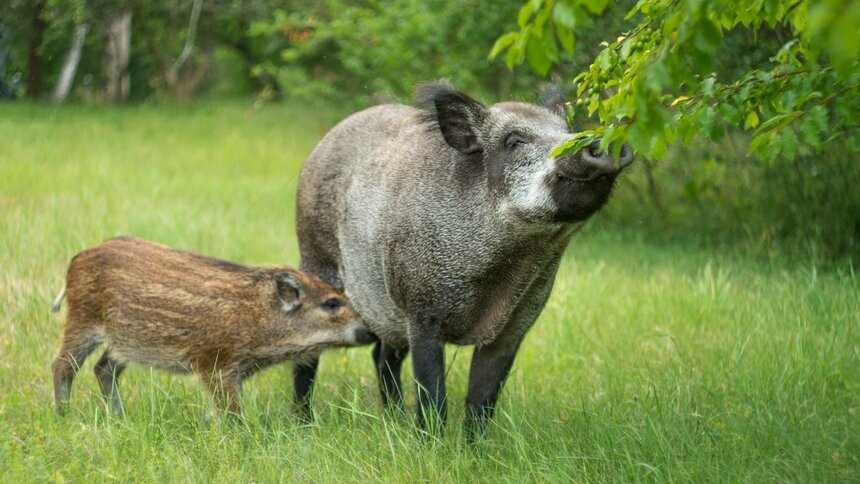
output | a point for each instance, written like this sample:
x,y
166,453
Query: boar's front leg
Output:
x,y
304,374
489,370
428,368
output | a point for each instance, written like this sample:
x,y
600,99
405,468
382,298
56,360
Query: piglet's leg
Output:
x,y
304,374
77,345
224,384
107,372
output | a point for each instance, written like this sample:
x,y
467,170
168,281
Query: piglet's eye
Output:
x,y
331,304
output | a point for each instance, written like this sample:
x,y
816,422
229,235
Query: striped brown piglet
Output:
x,y
185,312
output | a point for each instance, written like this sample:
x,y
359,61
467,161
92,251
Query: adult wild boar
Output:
x,y
446,224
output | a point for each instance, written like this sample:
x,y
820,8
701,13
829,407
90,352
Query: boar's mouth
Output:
x,y
572,178
579,197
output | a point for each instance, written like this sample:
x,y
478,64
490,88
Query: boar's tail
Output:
x,y
55,308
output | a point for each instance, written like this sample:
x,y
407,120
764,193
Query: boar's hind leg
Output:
x,y
304,374
388,362
75,349
428,368
107,372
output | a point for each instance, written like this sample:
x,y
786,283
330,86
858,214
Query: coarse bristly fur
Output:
x,y
446,223
185,312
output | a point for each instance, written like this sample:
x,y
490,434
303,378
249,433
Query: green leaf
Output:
x,y
657,77
731,113
517,52
658,148
502,43
543,16
788,144
525,14
818,115
564,14
537,55
706,120
549,45
777,122
596,7
607,59
639,138
512,58
708,87
626,46
565,38
751,120
671,23
707,36
810,131
771,148
757,142
844,41
575,144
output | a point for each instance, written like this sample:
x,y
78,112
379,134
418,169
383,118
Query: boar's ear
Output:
x,y
458,116
290,290
552,98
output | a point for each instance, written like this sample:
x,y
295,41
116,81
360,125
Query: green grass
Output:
x,y
651,362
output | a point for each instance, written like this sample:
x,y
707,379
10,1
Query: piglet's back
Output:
x,y
129,281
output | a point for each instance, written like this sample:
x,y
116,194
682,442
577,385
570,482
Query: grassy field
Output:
x,y
651,362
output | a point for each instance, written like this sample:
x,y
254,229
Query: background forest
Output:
x,y
345,55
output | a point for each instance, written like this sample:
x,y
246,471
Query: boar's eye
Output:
x,y
514,140
331,304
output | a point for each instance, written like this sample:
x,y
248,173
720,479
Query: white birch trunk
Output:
x,y
70,64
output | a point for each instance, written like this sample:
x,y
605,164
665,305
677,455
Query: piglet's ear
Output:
x,y
290,290
459,117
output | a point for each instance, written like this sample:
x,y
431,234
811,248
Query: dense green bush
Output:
x,y
715,194
361,52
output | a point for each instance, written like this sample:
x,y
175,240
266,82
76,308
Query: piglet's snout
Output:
x,y
360,335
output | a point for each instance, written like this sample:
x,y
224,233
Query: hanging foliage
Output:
x,y
655,84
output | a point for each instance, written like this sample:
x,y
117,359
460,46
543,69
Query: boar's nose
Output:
x,y
599,163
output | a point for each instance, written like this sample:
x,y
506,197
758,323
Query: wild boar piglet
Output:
x,y
185,312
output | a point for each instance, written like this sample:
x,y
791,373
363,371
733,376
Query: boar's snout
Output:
x,y
582,182
593,163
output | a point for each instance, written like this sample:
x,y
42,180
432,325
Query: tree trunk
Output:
x,y
70,64
117,47
188,48
188,85
652,188
34,57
